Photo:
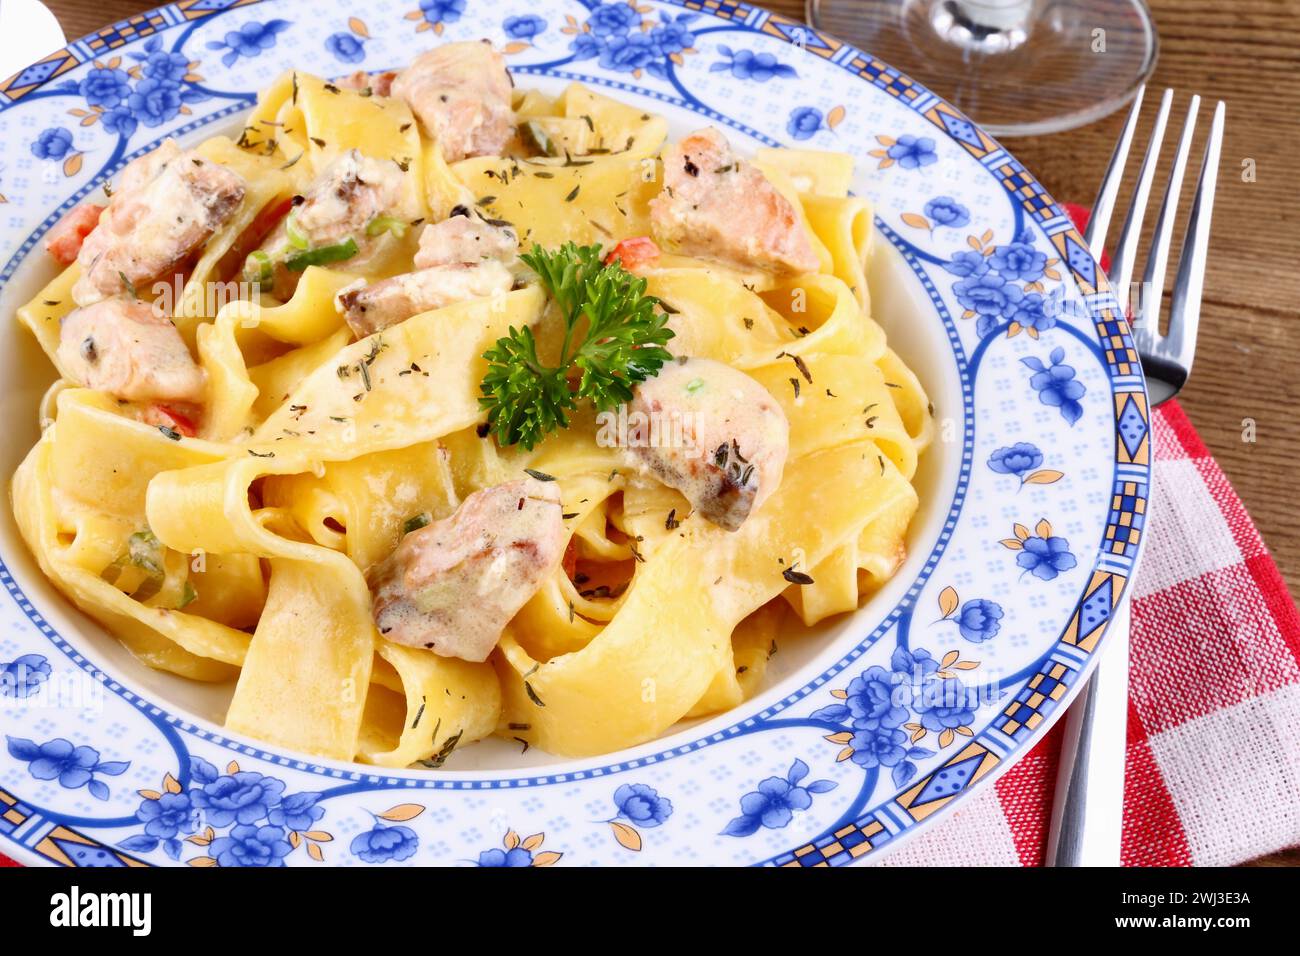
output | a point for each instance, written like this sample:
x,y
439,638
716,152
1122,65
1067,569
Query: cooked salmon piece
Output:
x,y
465,237
123,347
64,240
454,585
715,205
154,224
462,257
368,308
711,432
342,202
460,93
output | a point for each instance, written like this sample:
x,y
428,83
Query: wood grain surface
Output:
x,y
1243,394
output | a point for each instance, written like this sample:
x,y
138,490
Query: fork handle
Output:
x,y
1087,816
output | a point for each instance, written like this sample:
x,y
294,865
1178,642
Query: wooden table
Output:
x,y
1247,53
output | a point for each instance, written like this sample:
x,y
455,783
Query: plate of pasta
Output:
x,y
577,432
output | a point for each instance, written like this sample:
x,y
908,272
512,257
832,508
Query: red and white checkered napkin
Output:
x,y
1214,701
1213,772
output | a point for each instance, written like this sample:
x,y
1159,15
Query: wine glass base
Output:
x,y
1067,64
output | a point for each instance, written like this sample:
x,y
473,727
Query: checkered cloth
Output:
x,y
1213,766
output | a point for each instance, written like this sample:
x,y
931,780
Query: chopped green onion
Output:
x,y
416,522
258,267
382,224
145,551
322,255
297,237
694,385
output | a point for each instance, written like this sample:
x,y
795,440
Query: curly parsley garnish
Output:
x,y
614,336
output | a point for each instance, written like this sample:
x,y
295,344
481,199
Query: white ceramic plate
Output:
x,y
1032,499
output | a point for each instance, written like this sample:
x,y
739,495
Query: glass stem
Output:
x,y
995,15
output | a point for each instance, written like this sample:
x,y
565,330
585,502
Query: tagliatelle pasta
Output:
x,y
236,538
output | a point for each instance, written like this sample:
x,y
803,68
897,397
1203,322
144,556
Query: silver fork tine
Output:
x,y
1121,271
1185,306
1146,320
1104,205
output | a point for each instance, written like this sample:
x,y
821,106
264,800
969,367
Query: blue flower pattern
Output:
x,y
617,36
242,818
1056,384
23,676
774,803
345,47
524,28
72,766
382,843
748,65
884,712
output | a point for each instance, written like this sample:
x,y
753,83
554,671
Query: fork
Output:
x,y
1087,813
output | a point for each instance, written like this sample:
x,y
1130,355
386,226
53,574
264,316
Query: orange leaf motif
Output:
x,y
203,861
628,838
916,221
517,46
315,852
549,858
171,785
1044,477
1043,529
949,659
511,841
945,738
1021,532
841,738
948,601
1012,543
358,26
835,117
533,842
72,165
402,812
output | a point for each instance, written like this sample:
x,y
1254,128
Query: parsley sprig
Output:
x,y
613,335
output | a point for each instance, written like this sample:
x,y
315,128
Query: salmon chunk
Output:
x,y
368,308
454,585
717,206
330,224
711,432
460,92
155,222
463,257
465,237
121,346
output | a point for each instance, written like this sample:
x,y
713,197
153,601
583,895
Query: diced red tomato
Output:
x,y
169,417
65,239
634,253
